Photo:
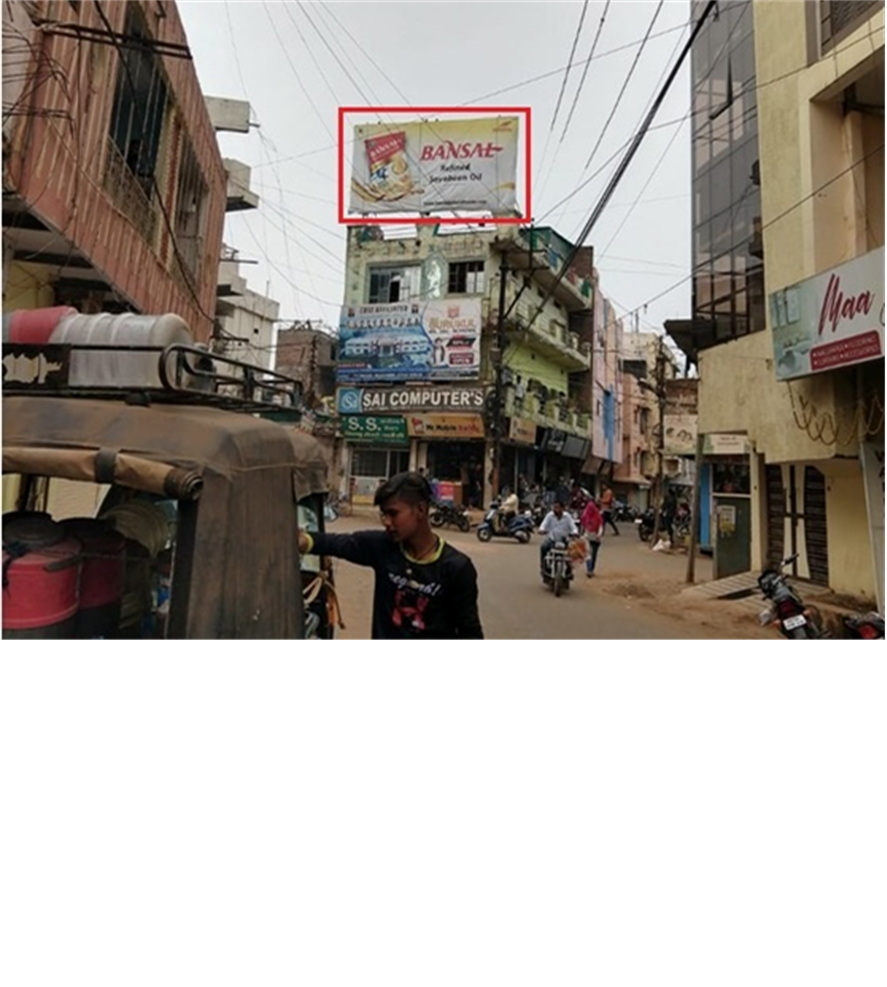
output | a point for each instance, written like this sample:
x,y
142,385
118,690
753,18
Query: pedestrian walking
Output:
x,y
424,588
607,499
592,524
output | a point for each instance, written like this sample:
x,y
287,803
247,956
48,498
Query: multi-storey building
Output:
x,y
113,184
502,391
789,102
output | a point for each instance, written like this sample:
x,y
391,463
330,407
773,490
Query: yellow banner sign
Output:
x,y
445,426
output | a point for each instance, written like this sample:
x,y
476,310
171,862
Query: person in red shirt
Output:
x,y
592,522
607,505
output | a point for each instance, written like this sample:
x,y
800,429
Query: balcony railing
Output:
x,y
127,193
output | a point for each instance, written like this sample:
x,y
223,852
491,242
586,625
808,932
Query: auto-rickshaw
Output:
x,y
197,497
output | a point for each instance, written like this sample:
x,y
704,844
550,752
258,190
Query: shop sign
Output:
x,y
385,400
872,456
522,430
553,440
438,339
376,429
725,444
445,426
680,435
835,319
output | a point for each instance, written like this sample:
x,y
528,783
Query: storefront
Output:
x,y
378,447
437,428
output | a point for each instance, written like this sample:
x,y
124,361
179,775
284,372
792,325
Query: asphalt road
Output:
x,y
515,605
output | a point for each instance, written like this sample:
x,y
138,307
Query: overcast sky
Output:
x,y
297,62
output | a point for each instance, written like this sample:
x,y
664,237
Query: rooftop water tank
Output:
x,y
117,368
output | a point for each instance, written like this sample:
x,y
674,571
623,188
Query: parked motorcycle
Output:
x,y
557,571
445,514
646,523
863,626
519,527
795,619
624,512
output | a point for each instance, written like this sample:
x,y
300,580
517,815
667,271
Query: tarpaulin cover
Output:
x,y
244,581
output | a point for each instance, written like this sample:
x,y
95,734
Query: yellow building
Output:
x,y
796,365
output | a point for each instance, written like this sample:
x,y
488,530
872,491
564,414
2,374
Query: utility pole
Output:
x,y
497,419
659,390
695,511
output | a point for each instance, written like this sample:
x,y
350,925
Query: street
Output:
x,y
632,595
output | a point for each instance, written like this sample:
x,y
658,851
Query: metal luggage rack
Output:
x,y
186,375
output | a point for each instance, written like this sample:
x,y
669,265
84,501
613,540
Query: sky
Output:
x,y
296,63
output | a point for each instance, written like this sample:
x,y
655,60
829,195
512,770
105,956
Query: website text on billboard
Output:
x,y
409,170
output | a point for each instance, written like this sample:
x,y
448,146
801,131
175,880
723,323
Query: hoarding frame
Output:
x,y
434,220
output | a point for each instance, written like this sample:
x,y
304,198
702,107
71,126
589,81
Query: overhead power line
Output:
x,y
588,62
626,161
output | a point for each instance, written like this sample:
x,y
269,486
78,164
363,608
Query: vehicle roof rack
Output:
x,y
181,374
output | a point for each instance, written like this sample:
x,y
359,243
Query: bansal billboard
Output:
x,y
435,165
833,320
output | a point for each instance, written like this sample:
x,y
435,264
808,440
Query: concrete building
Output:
x,y
114,187
648,365
489,401
790,101
307,352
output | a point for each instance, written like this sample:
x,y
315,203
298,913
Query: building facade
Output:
x,y
114,187
795,372
430,376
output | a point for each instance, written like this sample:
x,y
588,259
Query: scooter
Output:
x,y
520,527
446,513
795,619
557,571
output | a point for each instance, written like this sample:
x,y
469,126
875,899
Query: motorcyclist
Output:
x,y
557,524
507,510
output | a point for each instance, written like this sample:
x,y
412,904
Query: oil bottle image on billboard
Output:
x,y
435,166
435,340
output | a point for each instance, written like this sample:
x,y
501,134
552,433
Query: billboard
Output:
x,y
835,319
433,340
433,166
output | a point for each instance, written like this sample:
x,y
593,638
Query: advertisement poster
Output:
x,y
835,319
523,431
434,165
680,435
872,456
433,340
445,426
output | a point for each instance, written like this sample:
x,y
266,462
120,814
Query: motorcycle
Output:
x,y
624,512
646,523
863,626
557,571
445,513
795,619
520,527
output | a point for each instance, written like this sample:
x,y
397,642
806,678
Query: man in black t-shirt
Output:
x,y
425,588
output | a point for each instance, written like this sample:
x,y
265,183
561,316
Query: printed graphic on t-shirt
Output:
x,y
411,600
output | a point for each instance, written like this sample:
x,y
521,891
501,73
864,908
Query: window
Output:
x,y
394,284
466,278
140,102
191,194
837,20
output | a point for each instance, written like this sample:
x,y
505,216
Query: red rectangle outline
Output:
x,y
428,220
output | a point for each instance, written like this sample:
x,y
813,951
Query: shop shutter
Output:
x,y
775,515
815,529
